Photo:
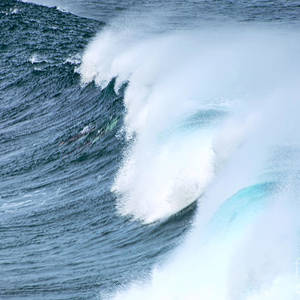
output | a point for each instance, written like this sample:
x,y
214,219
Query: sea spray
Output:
x,y
171,76
250,74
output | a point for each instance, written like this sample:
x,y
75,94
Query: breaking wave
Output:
x,y
210,116
191,97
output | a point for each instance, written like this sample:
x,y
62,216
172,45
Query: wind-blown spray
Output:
x,y
206,113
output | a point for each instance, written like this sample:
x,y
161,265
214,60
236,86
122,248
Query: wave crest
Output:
x,y
171,77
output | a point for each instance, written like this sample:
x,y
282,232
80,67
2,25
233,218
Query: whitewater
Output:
x,y
211,116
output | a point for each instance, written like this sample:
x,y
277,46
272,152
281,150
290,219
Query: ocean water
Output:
x,y
149,150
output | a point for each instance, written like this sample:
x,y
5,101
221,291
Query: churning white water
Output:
x,y
212,116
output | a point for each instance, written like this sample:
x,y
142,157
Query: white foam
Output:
x,y
171,77
73,59
14,11
254,259
36,58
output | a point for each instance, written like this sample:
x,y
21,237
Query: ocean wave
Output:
x,y
168,165
191,70
194,132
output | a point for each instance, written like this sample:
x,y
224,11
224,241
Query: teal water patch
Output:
x,y
200,120
239,210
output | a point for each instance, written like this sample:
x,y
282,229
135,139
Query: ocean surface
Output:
x,y
150,149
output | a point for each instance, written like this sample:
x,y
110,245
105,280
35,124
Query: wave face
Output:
x,y
60,235
149,150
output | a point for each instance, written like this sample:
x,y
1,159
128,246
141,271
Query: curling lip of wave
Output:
x,y
191,71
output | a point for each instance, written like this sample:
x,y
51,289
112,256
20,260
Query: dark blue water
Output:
x,y
60,235
62,145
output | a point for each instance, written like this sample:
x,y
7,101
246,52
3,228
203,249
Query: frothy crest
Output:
x,y
182,151
172,76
